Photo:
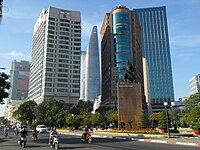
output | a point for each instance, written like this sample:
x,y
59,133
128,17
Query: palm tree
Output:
x,y
154,119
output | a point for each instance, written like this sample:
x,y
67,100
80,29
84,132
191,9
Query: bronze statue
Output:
x,y
129,74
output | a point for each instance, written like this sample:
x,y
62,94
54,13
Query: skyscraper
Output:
x,y
120,42
83,75
194,84
90,69
19,79
55,60
156,51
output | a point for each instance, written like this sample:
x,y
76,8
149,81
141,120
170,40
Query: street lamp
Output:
x,y
72,120
168,132
2,68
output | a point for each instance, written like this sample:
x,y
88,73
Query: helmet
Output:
x,y
54,129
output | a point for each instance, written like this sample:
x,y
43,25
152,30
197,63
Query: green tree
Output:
x,y
6,122
99,119
4,86
51,113
112,116
192,117
81,107
192,101
144,121
175,117
162,120
154,120
25,112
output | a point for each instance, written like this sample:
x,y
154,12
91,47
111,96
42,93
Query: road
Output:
x,y
70,142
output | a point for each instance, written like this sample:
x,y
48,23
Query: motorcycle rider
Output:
x,y
52,134
16,131
23,133
86,131
6,131
35,133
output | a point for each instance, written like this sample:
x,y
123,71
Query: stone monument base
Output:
x,y
129,104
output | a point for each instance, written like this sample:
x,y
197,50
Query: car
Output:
x,y
41,128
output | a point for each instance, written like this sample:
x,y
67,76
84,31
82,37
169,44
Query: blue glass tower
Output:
x,y
92,82
120,42
121,39
156,50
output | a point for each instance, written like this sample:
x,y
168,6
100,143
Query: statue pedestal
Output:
x,y
130,104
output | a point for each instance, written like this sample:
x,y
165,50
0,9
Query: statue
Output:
x,y
129,74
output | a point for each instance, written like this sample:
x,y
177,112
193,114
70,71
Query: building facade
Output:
x,y
19,79
55,59
194,84
120,43
156,51
92,82
90,69
83,75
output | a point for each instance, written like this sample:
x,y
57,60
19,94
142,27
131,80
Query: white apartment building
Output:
x,y
10,108
194,84
55,59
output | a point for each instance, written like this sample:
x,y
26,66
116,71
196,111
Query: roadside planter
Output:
x,y
196,131
163,130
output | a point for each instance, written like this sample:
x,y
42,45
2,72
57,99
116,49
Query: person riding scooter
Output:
x,y
35,134
6,131
86,131
52,134
23,134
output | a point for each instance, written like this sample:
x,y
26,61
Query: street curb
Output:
x,y
136,139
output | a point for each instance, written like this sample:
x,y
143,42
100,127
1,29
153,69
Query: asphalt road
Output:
x,y
69,142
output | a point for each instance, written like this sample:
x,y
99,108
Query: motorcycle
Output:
x,y
22,141
5,133
55,142
35,135
87,138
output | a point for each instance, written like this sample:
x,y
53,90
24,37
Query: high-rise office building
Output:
x,y
90,69
194,84
120,42
55,59
83,75
92,82
19,79
156,51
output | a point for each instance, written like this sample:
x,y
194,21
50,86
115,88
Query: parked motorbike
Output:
x,y
87,138
54,143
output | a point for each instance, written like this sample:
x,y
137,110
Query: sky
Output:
x,y
20,16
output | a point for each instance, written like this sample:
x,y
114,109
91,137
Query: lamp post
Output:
x,y
72,120
168,132
2,68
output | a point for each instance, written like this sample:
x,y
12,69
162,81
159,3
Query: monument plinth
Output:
x,y
130,103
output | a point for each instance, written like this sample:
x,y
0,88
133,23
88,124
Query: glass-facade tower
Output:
x,y
120,42
92,80
121,37
156,50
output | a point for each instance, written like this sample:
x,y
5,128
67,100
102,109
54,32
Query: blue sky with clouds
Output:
x,y
19,17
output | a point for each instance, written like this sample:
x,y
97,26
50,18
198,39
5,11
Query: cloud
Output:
x,y
15,55
186,41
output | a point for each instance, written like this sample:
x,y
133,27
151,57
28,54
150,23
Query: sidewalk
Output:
x,y
179,140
